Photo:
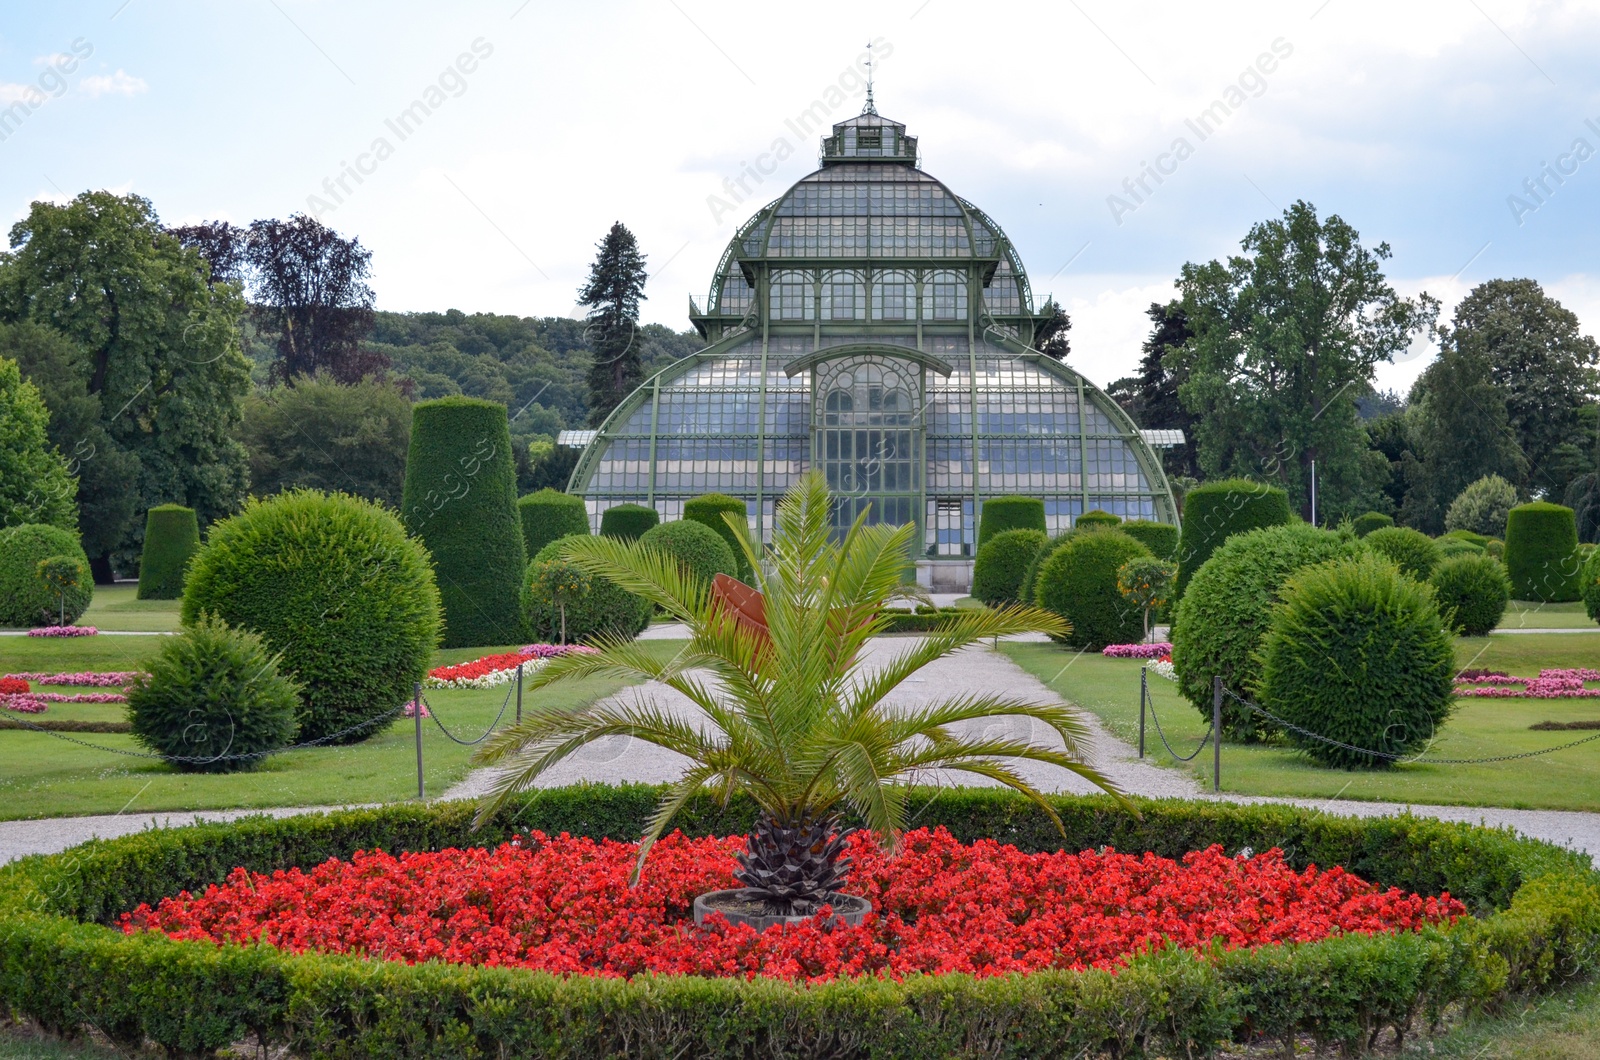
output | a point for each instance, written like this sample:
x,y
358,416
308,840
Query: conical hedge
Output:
x,y
171,536
460,500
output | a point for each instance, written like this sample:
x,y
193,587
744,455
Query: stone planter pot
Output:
x,y
847,909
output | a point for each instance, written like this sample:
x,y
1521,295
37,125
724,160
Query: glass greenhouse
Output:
x,y
875,325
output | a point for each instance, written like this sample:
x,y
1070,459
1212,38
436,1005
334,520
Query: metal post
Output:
x,y
519,693
1216,733
416,711
1144,691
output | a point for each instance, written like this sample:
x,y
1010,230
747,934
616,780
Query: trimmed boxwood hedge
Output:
x,y
1097,517
1366,524
1591,586
1079,583
696,547
1001,564
548,515
1009,513
1160,538
1415,553
1541,551
171,537
460,500
24,599
1536,925
627,521
709,510
1215,511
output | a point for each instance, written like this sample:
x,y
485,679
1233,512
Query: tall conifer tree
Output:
x,y
613,294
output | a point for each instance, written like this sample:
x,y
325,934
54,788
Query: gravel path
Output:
x,y
622,758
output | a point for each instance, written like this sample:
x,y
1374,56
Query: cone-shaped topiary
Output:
x,y
1414,552
1160,538
1096,517
1358,653
709,510
1366,524
171,536
1079,583
1472,591
212,700
1009,513
1219,623
25,600
460,501
334,584
696,546
1215,511
1001,564
1542,551
548,515
628,521
601,610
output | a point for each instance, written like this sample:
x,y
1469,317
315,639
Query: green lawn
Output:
x,y
1526,614
1566,780
43,776
115,607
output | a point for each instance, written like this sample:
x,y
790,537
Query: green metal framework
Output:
x,y
872,323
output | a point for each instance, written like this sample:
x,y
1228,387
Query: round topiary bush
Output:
x,y
549,515
1414,552
25,600
1366,524
627,522
171,537
460,501
1160,538
1472,592
1216,511
1358,653
1482,507
1541,552
709,510
1096,517
212,700
1591,586
1454,546
1079,583
1468,536
1028,590
332,583
1009,513
602,610
1001,564
695,546
1221,620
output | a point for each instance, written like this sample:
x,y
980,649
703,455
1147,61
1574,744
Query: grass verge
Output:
x,y
1565,780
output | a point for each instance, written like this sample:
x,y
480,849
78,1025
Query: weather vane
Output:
x,y
870,108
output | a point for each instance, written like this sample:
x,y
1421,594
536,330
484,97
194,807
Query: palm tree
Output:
x,y
788,716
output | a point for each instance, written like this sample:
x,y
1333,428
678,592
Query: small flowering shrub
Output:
x,y
564,905
1550,684
63,631
1155,650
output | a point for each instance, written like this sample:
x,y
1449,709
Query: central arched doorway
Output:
x,y
867,437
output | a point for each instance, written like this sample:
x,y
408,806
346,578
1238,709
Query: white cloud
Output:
x,y
119,83
10,93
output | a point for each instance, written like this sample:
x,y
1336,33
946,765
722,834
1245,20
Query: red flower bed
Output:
x,y
563,905
13,686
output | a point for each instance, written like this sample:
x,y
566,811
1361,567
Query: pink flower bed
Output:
x,y
23,703
1550,684
81,697
63,631
1137,651
109,679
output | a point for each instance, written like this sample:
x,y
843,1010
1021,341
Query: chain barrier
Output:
x,y
1417,760
208,759
434,714
1151,706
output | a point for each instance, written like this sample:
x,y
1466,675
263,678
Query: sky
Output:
x,y
1427,126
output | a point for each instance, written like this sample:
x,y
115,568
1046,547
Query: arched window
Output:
x,y
894,295
793,296
945,296
844,295
868,442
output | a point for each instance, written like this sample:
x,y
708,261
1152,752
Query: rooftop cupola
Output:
x,y
869,138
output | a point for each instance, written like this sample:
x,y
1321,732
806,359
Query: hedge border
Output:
x,y
60,964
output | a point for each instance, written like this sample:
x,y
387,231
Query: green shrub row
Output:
x,y
66,725
60,966
171,537
921,620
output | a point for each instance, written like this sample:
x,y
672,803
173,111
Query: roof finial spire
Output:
x,y
871,107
